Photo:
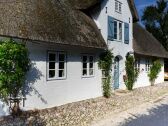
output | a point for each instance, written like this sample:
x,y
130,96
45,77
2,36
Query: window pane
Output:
x,y
84,72
61,73
115,29
84,65
51,65
61,57
91,59
120,31
90,71
61,65
91,65
84,58
51,73
52,57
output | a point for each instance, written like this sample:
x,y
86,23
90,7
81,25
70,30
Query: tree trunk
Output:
x,y
16,108
152,83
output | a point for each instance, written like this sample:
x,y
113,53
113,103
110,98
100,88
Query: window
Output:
x,y
118,6
115,29
137,64
120,31
56,65
126,33
147,65
61,65
87,65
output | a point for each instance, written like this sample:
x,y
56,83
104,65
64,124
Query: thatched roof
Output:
x,y
83,4
133,10
55,21
145,43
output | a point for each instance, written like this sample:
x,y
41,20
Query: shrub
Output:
x,y
14,64
154,71
131,72
105,63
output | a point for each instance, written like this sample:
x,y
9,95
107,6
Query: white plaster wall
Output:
x,y
143,79
118,48
58,92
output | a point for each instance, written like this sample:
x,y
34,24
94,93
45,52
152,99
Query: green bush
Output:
x,y
107,87
105,63
154,71
131,72
14,64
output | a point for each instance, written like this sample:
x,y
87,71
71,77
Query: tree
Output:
x,y
154,71
14,64
155,19
131,72
105,63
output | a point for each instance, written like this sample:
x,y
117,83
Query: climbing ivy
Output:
x,y
131,72
105,63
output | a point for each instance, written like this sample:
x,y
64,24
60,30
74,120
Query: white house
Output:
x,y
115,20
64,44
146,49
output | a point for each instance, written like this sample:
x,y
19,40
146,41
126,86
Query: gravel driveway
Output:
x,y
149,114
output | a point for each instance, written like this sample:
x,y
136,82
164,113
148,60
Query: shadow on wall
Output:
x,y
97,10
4,110
33,76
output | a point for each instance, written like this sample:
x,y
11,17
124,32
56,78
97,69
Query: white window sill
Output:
x,y
88,76
54,79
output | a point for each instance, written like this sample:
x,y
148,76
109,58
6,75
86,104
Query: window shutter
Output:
x,y
110,28
126,33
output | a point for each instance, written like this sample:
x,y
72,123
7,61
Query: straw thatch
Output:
x,y
145,43
133,10
55,21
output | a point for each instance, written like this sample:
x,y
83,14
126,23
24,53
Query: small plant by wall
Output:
x,y
154,71
105,63
131,72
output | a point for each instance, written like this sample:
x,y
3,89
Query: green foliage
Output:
x,y
154,71
155,19
105,60
105,63
14,64
107,87
131,72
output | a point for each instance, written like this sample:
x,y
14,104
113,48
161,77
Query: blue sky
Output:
x,y
141,4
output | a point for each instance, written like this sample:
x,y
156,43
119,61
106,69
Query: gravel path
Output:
x,y
152,113
97,112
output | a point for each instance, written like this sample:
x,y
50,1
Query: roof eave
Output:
x,y
104,47
149,55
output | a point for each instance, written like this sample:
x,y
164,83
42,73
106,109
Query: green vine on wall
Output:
x,y
154,71
105,63
131,72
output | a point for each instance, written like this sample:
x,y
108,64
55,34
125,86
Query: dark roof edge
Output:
x,y
149,55
40,41
133,10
